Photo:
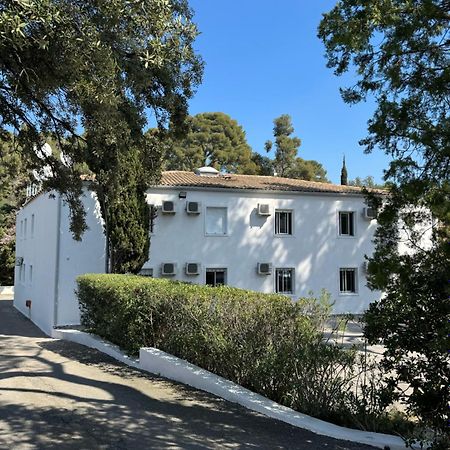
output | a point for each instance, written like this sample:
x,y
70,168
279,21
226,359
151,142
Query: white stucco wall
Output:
x,y
315,250
38,249
78,257
57,259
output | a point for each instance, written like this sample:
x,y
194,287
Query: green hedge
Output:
x,y
264,342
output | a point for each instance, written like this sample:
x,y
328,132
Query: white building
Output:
x,y
268,234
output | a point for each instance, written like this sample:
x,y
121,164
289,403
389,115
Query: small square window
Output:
x,y
216,221
346,223
283,222
347,281
284,281
146,272
216,277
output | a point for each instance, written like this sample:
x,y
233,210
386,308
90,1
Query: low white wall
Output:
x,y
171,367
7,290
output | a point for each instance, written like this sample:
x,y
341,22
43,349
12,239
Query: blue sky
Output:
x,y
263,59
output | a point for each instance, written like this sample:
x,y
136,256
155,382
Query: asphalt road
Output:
x,y
60,395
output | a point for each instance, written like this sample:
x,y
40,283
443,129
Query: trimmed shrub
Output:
x,y
264,342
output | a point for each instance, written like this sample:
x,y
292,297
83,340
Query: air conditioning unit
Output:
x,y
168,269
365,266
19,261
193,207
168,207
370,213
263,209
264,268
192,268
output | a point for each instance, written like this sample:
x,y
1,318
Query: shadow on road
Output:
x,y
57,395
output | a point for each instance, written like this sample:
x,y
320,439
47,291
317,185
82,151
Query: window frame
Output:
x,y
215,270
277,222
355,280
292,272
352,227
206,221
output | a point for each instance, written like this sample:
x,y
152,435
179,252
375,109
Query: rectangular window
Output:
x,y
216,277
25,228
216,221
30,277
32,225
283,222
21,229
153,211
24,268
347,281
346,223
146,272
284,281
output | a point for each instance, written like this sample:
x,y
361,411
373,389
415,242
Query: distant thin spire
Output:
x,y
344,180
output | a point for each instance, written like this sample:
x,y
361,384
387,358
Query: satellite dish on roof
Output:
x,y
42,153
65,159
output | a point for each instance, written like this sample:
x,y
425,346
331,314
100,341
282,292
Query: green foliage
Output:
x,y
286,162
308,170
264,342
86,74
286,146
401,52
12,185
213,139
367,182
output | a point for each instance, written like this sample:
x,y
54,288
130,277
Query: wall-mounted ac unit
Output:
x,y
365,266
192,268
264,268
370,213
263,209
193,207
168,269
168,207
19,261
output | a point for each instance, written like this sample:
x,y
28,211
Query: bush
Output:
x,y
264,342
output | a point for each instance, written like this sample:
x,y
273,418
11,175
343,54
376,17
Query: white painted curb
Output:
x,y
169,366
89,340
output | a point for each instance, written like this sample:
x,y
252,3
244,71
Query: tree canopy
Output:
x,y
213,139
400,50
286,162
88,74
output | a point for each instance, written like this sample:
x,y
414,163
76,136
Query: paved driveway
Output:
x,y
58,395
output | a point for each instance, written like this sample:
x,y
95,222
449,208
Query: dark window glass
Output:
x,y
215,277
284,280
347,280
346,224
283,222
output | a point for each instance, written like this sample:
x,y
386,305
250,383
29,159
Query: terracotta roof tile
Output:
x,y
178,178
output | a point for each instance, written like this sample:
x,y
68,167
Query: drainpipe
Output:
x,y
57,258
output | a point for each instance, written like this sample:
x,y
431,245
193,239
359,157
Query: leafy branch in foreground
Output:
x,y
401,53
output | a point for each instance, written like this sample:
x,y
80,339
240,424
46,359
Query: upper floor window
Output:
x,y
32,225
216,277
283,222
284,281
347,281
216,221
346,223
25,228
